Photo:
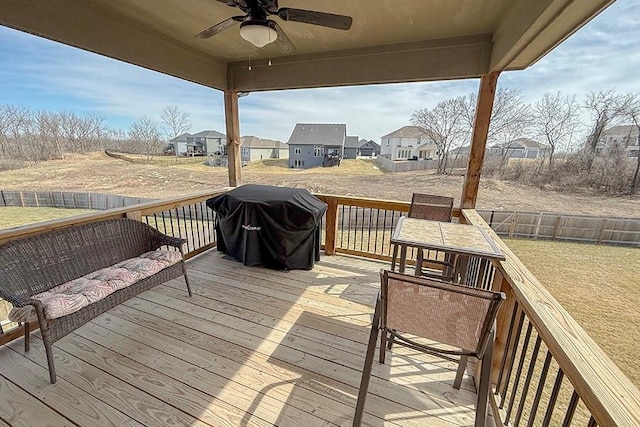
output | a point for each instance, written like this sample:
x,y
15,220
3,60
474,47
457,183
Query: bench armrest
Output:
x,y
176,242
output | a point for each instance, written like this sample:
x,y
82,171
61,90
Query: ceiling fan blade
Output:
x,y
283,42
340,22
220,26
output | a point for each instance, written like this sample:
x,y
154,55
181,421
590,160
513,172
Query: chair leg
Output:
x,y
462,367
393,258
485,384
419,260
383,344
368,364
27,335
390,342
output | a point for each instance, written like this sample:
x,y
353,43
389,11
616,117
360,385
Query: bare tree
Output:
x,y
606,108
444,124
174,123
632,112
555,118
82,133
510,120
146,136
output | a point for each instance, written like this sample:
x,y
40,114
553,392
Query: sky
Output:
x,y
45,75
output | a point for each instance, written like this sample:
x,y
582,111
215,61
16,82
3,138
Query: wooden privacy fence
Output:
x,y
575,228
156,159
65,200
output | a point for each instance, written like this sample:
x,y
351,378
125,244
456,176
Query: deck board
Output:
x,y
252,347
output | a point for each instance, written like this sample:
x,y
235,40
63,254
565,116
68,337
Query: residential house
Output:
x,y
254,148
627,136
368,148
409,142
310,143
350,147
207,142
178,145
521,148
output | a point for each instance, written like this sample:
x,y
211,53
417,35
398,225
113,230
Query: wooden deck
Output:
x,y
253,347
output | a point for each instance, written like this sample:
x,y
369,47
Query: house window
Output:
x,y
297,151
318,151
298,163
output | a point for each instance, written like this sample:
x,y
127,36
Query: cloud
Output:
x,y
42,74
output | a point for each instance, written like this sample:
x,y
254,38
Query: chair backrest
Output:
x,y
455,315
429,206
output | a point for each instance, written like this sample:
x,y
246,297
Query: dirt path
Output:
x,y
96,172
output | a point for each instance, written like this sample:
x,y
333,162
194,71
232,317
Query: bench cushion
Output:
x,y
71,296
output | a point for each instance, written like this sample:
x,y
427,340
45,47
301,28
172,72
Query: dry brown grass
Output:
x,y
598,285
14,216
97,172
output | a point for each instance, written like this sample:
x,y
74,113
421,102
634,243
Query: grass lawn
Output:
x,y
598,286
13,216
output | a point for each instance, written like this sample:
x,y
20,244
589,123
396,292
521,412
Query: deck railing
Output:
x,y
547,370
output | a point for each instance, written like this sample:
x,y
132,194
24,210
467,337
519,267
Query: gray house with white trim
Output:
x,y
310,144
350,147
368,148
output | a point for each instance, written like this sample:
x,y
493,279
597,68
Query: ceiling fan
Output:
x,y
258,30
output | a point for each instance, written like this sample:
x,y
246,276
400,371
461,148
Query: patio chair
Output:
x,y
457,318
434,208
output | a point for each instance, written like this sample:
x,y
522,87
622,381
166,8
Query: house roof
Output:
x,y
527,143
251,141
318,134
351,142
181,138
460,150
209,134
622,130
371,144
463,39
409,132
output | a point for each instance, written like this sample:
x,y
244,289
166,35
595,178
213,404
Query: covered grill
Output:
x,y
277,227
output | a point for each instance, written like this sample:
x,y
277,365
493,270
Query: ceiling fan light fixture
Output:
x,y
257,33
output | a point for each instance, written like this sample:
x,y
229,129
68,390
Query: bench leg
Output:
x,y
186,278
48,342
27,335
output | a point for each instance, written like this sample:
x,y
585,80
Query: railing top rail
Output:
x,y
606,391
142,209
365,202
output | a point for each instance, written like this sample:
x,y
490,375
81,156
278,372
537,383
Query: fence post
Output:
x,y
331,226
555,228
602,230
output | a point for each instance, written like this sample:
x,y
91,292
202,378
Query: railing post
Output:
x,y
332,226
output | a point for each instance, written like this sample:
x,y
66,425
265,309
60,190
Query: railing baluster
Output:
x,y
342,227
541,383
571,409
527,382
514,350
523,355
506,346
553,398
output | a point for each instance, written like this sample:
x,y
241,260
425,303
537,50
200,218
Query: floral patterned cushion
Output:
x,y
73,295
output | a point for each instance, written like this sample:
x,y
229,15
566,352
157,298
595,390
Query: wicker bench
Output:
x,y
67,277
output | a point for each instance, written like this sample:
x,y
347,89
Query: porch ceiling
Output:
x,y
390,41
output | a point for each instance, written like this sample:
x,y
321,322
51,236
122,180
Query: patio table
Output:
x,y
454,238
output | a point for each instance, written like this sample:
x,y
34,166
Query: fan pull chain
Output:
x,y
249,63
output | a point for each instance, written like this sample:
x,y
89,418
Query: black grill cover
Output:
x,y
276,227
